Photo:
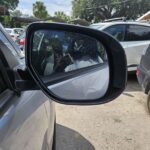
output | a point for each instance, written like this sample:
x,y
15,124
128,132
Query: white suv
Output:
x,y
133,36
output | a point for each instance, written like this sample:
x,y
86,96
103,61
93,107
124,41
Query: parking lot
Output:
x,y
123,124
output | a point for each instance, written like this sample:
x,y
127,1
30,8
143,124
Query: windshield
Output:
x,y
22,35
9,31
18,31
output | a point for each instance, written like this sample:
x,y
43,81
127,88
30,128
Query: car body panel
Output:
x,y
143,71
28,118
134,51
26,123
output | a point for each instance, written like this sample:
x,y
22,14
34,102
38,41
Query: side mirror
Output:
x,y
75,65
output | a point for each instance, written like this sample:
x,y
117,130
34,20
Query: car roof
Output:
x,y
120,22
8,28
19,28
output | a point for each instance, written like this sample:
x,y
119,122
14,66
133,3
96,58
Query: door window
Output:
x,y
117,31
4,40
138,33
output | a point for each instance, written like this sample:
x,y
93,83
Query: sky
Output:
x,y
25,6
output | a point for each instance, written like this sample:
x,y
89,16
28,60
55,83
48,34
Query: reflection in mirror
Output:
x,y
56,53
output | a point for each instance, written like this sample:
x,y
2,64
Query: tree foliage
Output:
x,y
9,4
39,10
16,13
62,15
97,10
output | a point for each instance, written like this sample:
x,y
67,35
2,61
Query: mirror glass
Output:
x,y
77,61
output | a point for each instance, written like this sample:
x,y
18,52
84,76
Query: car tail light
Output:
x,y
22,41
138,72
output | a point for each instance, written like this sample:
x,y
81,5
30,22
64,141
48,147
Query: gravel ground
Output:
x,y
123,124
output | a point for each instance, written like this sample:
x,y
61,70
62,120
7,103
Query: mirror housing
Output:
x,y
116,59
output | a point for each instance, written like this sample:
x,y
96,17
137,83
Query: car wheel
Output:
x,y
148,101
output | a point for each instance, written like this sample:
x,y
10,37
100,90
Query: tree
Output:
x,y
79,8
39,10
16,13
62,15
97,10
9,4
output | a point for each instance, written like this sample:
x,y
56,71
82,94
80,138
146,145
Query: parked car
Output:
x,y
133,36
143,74
14,32
75,74
21,40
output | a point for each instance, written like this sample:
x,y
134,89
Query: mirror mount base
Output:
x,y
26,82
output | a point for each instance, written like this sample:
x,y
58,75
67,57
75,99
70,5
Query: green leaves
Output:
x,y
97,10
62,15
9,4
39,10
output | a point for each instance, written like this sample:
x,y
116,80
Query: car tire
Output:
x,y
148,101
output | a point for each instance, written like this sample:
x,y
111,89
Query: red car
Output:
x,y
21,41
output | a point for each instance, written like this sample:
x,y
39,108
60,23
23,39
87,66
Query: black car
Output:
x,y
143,74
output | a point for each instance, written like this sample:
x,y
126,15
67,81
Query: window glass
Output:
x,y
9,31
138,33
117,31
16,31
4,40
61,51
22,35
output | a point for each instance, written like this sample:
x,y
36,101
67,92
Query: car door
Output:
x,y
138,39
118,31
27,118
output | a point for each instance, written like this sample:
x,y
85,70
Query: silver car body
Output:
x,y
133,49
27,120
